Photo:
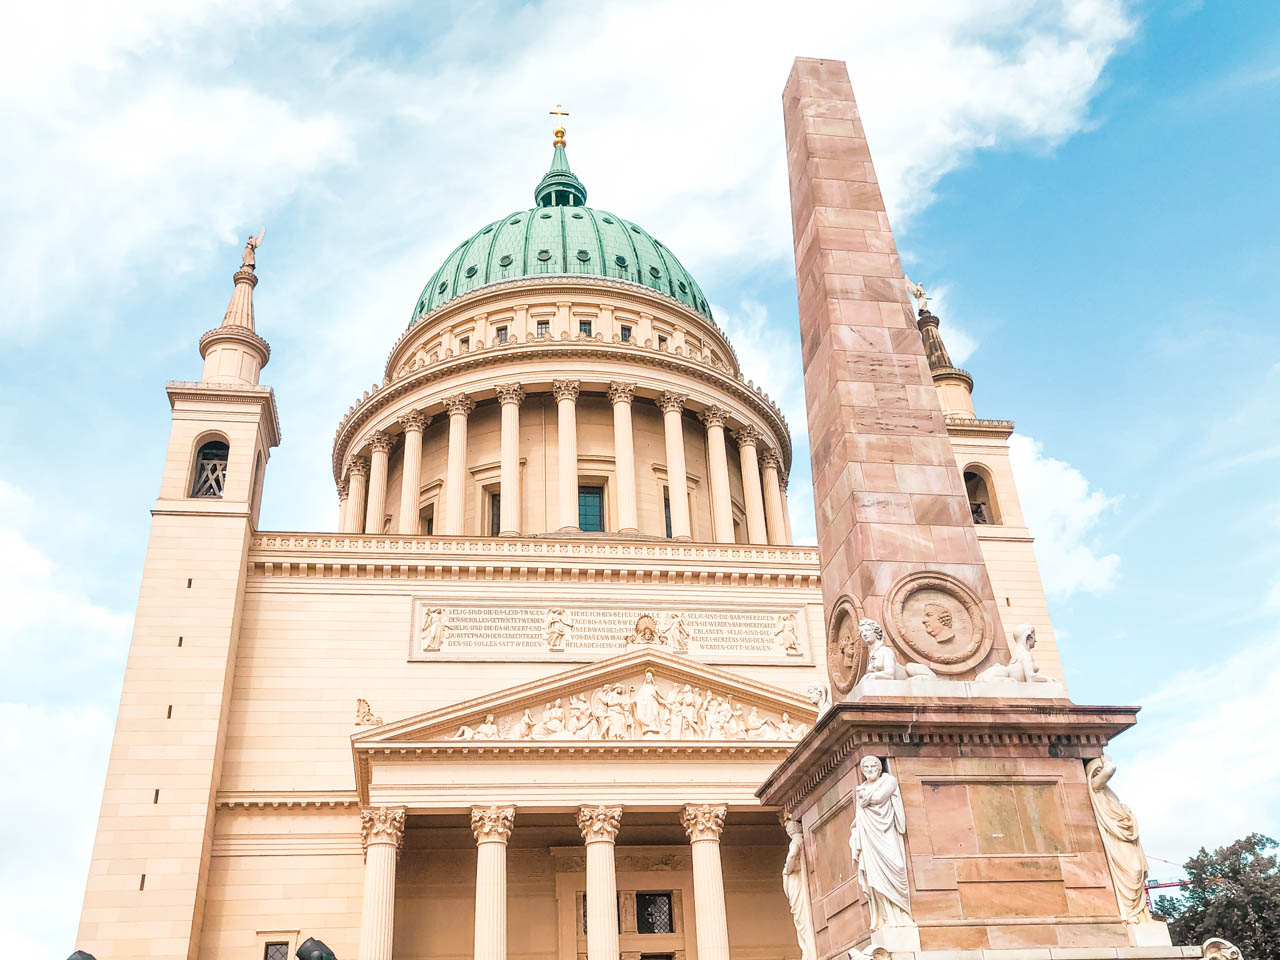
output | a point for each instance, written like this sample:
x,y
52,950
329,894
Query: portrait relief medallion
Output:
x,y
937,620
846,653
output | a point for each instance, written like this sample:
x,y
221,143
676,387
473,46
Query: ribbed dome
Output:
x,y
560,236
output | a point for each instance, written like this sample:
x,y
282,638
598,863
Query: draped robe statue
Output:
x,y
795,884
1119,832
876,843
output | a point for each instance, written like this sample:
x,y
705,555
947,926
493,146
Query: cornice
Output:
x,y
255,393
275,799
369,406
973,427
239,334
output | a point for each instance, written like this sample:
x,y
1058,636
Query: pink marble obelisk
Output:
x,y
889,497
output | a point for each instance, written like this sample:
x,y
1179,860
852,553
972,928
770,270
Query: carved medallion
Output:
x,y
937,620
846,653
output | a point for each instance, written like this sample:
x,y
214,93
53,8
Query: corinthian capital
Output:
x,y
622,392
358,467
599,823
747,436
714,416
565,389
672,401
414,420
510,393
382,825
770,459
703,821
492,824
380,442
459,403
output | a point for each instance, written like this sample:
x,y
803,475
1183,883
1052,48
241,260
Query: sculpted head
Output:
x,y
870,632
937,619
1025,635
871,768
648,676
793,827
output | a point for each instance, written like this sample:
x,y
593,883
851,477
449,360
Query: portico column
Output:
x,y
672,407
566,392
624,455
380,445
413,422
773,512
704,822
492,827
786,508
747,439
510,396
358,483
382,829
599,826
344,488
718,466
459,408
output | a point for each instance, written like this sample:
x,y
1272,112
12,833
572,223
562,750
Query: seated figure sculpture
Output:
x,y
882,661
1022,663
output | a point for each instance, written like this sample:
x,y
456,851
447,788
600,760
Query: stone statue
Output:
x,y
917,291
483,731
879,853
1215,948
557,631
882,662
434,630
364,714
795,885
247,259
785,635
648,708
819,695
675,635
313,949
1119,832
1022,664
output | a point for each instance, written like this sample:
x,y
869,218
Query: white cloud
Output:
x,y
1062,512
1199,769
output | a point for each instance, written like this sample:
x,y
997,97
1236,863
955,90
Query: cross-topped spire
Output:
x,y
559,111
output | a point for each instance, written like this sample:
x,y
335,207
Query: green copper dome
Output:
x,y
561,235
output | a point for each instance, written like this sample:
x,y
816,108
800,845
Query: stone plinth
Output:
x,y
1003,850
890,499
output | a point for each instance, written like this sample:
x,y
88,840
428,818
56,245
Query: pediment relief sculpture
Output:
x,y
643,710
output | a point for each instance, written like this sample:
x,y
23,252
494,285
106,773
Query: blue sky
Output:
x,y
1089,188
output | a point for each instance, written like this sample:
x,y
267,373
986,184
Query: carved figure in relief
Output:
x,y
580,721
645,632
364,715
882,662
1022,663
1119,832
795,884
938,622
758,728
616,704
553,722
674,634
684,709
784,634
557,631
649,708
791,731
524,726
435,630
482,731
876,843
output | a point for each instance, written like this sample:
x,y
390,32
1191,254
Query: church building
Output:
x,y
517,699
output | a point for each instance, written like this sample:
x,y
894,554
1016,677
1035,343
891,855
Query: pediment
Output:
x,y
644,696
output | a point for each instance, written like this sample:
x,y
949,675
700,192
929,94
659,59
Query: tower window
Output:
x,y
591,509
662,341
211,469
501,334
626,334
981,507
544,328
584,327
465,343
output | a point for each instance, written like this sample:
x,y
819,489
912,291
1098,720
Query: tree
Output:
x,y
1233,893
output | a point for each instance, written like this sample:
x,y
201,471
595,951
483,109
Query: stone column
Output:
x,y
459,408
672,407
510,395
624,455
344,488
492,827
773,512
358,483
413,422
599,826
748,438
786,508
566,393
376,512
718,467
703,823
383,833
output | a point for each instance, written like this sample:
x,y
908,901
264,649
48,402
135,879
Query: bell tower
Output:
x,y
147,877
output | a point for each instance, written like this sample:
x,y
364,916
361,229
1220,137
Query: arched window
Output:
x,y
211,469
981,504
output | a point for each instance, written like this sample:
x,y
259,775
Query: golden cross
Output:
x,y
559,111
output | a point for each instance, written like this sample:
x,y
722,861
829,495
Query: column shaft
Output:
x,y
358,482
492,828
377,507
773,510
624,454
566,392
383,831
599,827
411,473
672,406
786,511
344,490
459,408
704,824
751,493
718,467
510,395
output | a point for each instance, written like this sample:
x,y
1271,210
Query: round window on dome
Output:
x,y
544,255
545,216
444,285
488,229
514,220
683,288
635,229
607,219
576,216
471,271
655,272
584,256
620,260
504,260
